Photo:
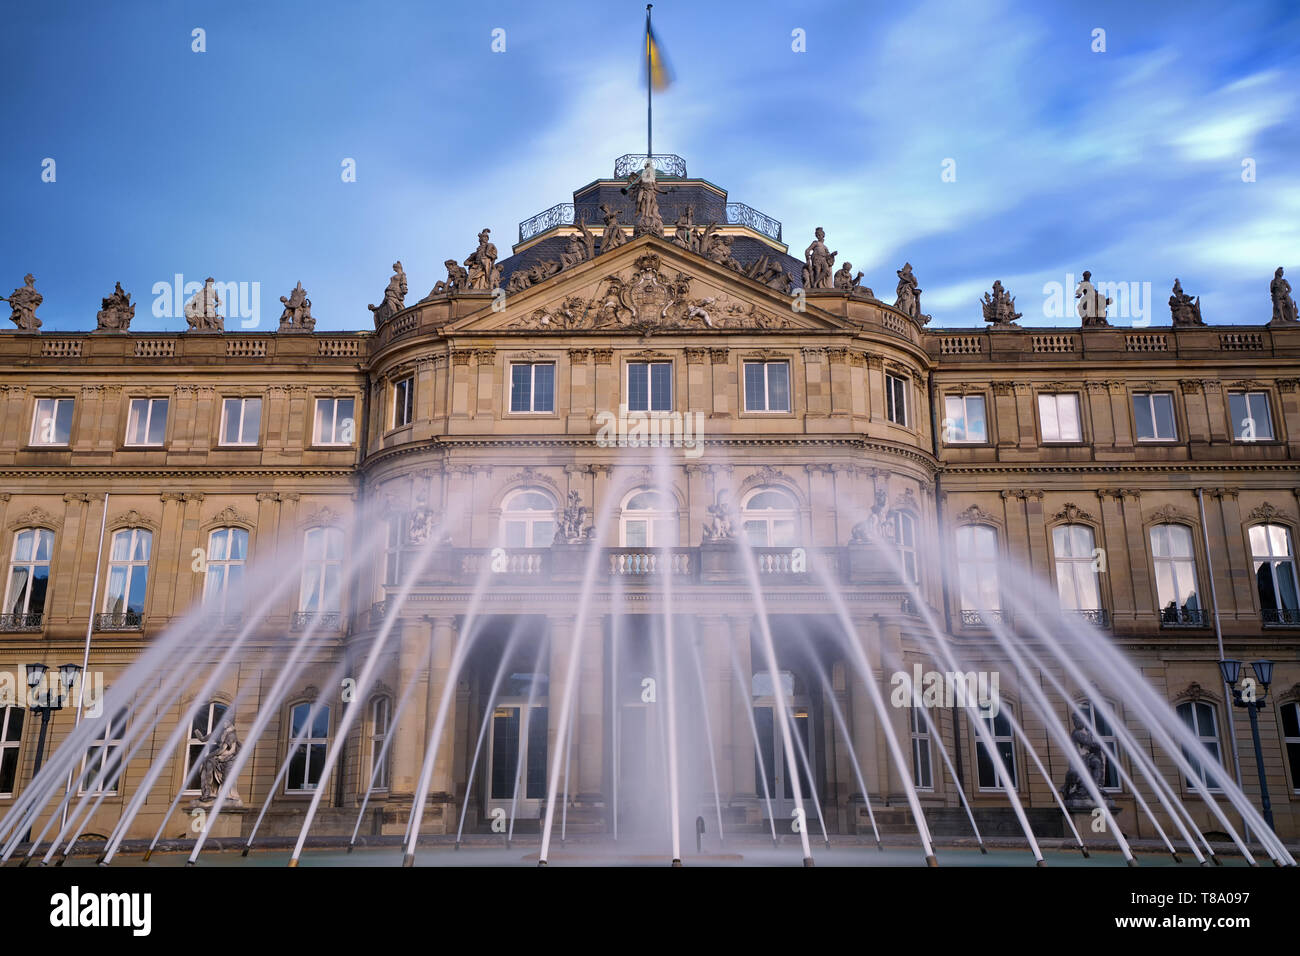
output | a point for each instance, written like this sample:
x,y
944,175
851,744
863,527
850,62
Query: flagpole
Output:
x,y
649,88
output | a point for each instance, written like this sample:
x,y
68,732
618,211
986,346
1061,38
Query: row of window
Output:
x,y
146,422
1059,420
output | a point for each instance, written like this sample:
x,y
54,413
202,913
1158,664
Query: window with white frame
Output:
x,y
1200,718
404,401
963,422
648,520
146,422
977,570
394,548
1174,559
1076,568
335,424
241,421
649,386
101,767
227,554
29,576
528,519
1105,736
322,570
767,386
905,539
1275,574
1251,418
532,387
769,519
377,769
52,421
11,739
128,575
1153,416
1290,740
922,768
896,398
206,720
999,729
312,722
1058,417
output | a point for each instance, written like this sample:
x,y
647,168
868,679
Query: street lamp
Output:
x,y
1231,670
46,705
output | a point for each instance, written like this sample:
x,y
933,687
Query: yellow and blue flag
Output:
x,y
660,74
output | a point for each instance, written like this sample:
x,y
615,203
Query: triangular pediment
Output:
x,y
647,286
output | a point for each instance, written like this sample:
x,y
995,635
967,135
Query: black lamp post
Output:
x,y
1231,670
45,705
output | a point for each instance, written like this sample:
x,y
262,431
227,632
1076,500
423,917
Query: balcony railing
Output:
x,y
21,622
1098,616
634,562
984,618
525,562
738,214
666,164
1184,617
1280,616
329,620
119,621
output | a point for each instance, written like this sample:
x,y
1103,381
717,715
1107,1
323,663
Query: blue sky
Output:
x,y
227,162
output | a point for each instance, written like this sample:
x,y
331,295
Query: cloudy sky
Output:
x,y
1127,162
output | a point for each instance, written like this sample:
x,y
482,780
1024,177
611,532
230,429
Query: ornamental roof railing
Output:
x,y
667,164
738,214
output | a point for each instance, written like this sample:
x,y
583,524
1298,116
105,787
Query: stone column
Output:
x,y
711,644
582,394
485,395
742,734
562,639
1230,557
723,379
441,648
1119,563
696,394
587,771
460,387
407,751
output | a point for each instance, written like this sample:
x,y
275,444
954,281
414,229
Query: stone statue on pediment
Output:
x,y
1284,309
1092,304
845,280
1000,306
1183,308
296,316
718,249
23,303
613,236
394,296
484,274
645,194
201,311
457,279
770,272
818,262
116,311
581,246
685,234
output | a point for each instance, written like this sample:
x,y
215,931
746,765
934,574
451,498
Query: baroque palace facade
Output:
x,y
1171,450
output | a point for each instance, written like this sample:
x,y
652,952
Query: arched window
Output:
x,y
29,579
128,574
648,520
321,571
528,519
769,517
1175,564
227,552
1275,578
1199,716
11,739
1102,731
999,728
977,571
1076,571
905,539
380,716
206,720
309,756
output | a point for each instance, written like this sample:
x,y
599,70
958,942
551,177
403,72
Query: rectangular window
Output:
x,y
1251,420
1175,564
649,386
999,730
241,421
146,422
963,422
977,571
1076,568
1153,413
767,386
532,387
403,402
1058,416
922,771
379,714
896,399
335,424
52,421
1200,719
128,577
102,764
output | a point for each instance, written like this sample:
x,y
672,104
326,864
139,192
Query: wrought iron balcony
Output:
x,y
984,618
666,164
119,621
1184,617
21,622
738,214
329,620
1280,616
1098,616
561,214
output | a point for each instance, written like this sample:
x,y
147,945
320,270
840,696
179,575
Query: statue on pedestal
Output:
x,y
1284,309
216,759
573,518
720,526
908,293
846,281
818,262
645,193
1075,793
116,311
394,296
296,316
201,311
1183,308
484,273
1092,306
1000,306
23,303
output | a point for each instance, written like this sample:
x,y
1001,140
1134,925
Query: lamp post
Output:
x,y
46,704
1231,670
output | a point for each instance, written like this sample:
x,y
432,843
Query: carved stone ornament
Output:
x,y
22,305
394,296
1268,514
201,311
1073,514
1000,307
1092,305
296,316
1284,308
721,524
116,312
573,520
221,746
1183,309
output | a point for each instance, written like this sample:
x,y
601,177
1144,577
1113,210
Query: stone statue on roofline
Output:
x,y
908,293
201,311
613,236
771,273
645,194
685,234
457,279
394,296
1092,304
296,316
846,281
23,303
484,273
818,262
116,311
1284,309
1183,309
1000,307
